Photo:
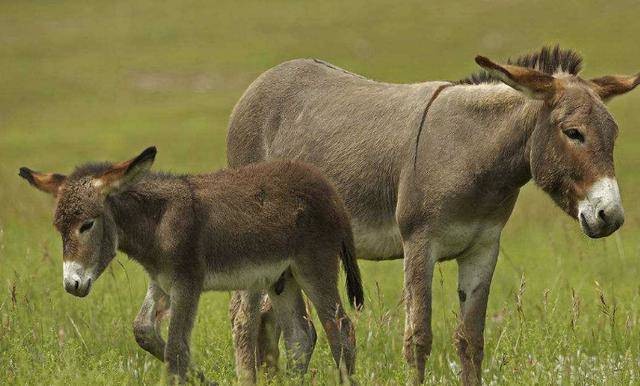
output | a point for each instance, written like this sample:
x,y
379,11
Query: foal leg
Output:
x,y
245,322
292,317
474,279
418,275
185,295
320,285
146,326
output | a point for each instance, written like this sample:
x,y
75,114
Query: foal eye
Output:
x,y
86,226
574,134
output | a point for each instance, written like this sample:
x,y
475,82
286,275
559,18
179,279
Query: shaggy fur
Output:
x,y
278,227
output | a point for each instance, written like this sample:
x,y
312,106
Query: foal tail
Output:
x,y
352,271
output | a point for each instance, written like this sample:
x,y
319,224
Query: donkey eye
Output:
x,y
574,134
86,226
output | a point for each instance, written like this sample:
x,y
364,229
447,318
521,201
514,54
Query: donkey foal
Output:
x,y
278,226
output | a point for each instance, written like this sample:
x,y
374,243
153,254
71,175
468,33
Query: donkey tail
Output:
x,y
352,271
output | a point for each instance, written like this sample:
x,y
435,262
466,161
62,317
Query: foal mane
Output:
x,y
549,60
96,169
93,169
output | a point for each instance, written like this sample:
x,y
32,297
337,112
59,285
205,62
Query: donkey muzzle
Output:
x,y
600,213
76,280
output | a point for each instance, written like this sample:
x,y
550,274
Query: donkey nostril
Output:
x,y
602,215
77,284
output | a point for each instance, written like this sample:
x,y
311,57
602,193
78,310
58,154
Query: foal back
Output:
x,y
264,217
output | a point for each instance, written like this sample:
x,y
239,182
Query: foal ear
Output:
x,y
46,182
613,85
533,83
124,173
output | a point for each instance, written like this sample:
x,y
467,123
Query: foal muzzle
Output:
x,y
77,281
600,213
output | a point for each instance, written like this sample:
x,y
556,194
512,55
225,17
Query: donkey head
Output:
x,y
571,147
87,227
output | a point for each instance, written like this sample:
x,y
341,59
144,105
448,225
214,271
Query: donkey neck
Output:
x,y
141,214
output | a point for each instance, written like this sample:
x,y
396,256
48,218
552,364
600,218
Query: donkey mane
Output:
x,y
549,60
333,67
93,169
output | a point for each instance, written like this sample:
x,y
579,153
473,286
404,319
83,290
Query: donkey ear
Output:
x,y
533,83
47,182
124,173
613,85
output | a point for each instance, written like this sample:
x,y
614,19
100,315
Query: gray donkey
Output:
x,y
278,226
431,171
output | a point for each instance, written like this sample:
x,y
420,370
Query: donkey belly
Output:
x,y
377,241
247,277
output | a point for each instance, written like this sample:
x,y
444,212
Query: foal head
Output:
x,y
89,234
571,147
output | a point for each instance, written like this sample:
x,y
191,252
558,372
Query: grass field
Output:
x,y
82,81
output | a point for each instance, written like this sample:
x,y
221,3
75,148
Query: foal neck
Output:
x,y
141,211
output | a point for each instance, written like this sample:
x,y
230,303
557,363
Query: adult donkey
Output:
x,y
431,171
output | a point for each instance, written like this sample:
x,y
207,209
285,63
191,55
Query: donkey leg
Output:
x,y
299,334
185,295
474,279
245,313
418,274
408,330
146,326
267,350
268,337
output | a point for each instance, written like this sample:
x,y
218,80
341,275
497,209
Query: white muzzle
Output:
x,y
600,213
77,281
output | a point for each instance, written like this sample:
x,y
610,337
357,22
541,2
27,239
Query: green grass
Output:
x,y
81,81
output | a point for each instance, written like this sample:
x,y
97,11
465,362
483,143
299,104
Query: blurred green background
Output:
x,y
84,80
